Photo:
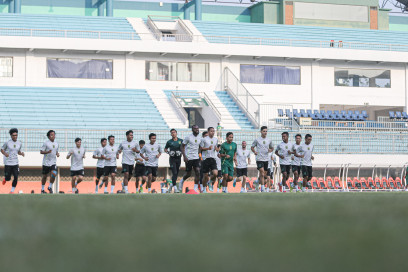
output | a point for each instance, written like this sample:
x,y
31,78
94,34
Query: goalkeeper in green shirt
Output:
x,y
228,154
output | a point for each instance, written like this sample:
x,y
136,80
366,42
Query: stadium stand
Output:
x,y
234,110
78,108
66,26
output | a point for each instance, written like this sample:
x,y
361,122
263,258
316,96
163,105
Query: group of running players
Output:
x,y
203,154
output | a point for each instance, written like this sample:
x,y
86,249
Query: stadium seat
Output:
x,y
296,113
313,183
392,114
280,112
360,117
399,183
303,113
357,183
357,112
398,115
350,184
309,113
392,183
364,113
404,115
370,183
377,182
287,112
384,183
363,183
330,183
337,183
322,184
354,117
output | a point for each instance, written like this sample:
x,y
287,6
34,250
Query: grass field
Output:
x,y
234,232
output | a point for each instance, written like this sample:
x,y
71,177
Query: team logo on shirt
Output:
x,y
230,147
211,143
79,152
128,146
14,146
53,146
179,142
308,148
112,149
263,142
195,140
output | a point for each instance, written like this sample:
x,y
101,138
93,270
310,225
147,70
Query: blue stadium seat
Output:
x,y
280,112
343,113
404,115
350,113
357,112
361,117
240,118
303,113
288,113
309,113
337,115
364,114
398,115
296,113
354,117
392,114
327,116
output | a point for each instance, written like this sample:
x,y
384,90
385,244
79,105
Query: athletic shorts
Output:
x,y
99,172
296,168
285,168
219,173
262,164
192,164
77,173
127,168
47,169
242,172
107,170
227,169
307,171
11,170
270,172
209,164
140,170
151,170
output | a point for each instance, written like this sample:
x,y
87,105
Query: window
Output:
x,y
6,67
80,68
177,71
362,78
268,74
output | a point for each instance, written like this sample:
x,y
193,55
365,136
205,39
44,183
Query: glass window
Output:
x,y
6,67
270,74
80,68
362,78
177,71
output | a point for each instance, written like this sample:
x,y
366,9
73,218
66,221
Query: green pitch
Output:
x,y
235,232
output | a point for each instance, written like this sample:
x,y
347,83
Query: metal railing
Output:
x,y
212,106
355,125
153,28
187,36
325,142
180,110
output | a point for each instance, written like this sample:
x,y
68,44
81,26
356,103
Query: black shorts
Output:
x,y
47,169
127,168
209,164
192,164
262,164
270,172
307,171
140,170
151,170
242,172
77,173
107,170
219,173
296,168
285,168
99,172
11,170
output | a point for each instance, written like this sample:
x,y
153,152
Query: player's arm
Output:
x,y
166,147
84,154
253,148
3,150
21,153
43,150
183,149
58,154
142,154
69,154
249,159
160,152
270,147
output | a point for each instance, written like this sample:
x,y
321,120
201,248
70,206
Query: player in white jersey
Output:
x,y
283,151
261,147
151,153
129,149
140,169
208,147
243,159
49,164
271,165
219,168
296,160
190,149
10,150
100,164
110,154
77,155
307,156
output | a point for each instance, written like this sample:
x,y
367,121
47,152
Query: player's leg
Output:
x,y
14,171
244,180
7,173
295,176
189,169
213,177
53,175
197,170
113,179
73,182
106,175
45,172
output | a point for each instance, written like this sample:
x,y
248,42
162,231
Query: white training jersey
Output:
x,y
207,142
242,158
283,149
307,152
98,153
271,160
128,156
151,151
262,146
192,144
50,159
218,161
12,148
77,158
138,161
110,151
296,160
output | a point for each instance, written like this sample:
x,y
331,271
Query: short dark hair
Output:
x,y
194,126
208,129
264,127
218,145
298,135
13,130
308,136
151,135
142,142
128,132
173,129
103,139
285,133
49,133
229,133
204,133
110,136
77,140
